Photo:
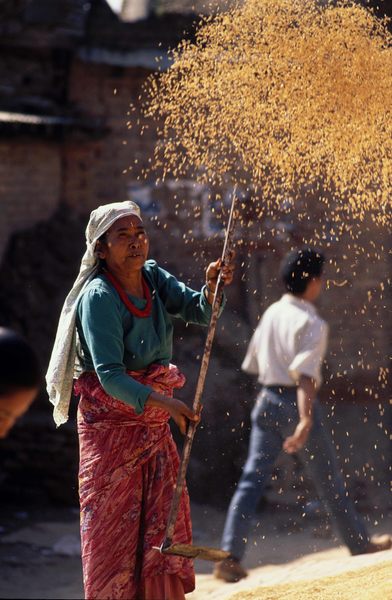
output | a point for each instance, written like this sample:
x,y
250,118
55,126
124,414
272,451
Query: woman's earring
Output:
x,y
100,253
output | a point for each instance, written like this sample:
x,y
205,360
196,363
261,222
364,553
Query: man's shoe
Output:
x,y
229,570
378,543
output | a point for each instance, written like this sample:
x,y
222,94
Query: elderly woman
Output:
x,y
122,307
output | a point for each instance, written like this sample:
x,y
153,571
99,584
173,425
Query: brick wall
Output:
x,y
354,302
99,173
30,184
36,175
28,76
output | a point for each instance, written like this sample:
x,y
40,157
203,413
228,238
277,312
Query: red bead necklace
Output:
x,y
137,312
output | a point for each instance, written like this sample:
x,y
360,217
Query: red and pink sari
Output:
x,y
128,468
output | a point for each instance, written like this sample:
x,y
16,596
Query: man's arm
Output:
x,y
306,394
250,363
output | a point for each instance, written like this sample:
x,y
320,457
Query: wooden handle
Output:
x,y
186,451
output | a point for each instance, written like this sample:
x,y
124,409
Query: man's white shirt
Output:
x,y
290,340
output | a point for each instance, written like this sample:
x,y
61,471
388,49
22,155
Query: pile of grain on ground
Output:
x,y
370,583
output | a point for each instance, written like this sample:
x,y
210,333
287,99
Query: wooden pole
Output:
x,y
227,248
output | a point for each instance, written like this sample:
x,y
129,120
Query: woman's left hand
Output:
x,y
214,268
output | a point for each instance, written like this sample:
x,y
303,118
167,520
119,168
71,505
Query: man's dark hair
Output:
x,y
299,267
19,365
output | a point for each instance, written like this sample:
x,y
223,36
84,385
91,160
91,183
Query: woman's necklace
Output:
x,y
137,312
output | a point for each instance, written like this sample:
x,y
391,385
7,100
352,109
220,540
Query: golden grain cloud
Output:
x,y
282,94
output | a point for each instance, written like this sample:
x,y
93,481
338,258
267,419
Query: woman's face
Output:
x,y
126,245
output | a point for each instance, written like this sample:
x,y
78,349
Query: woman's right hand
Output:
x,y
177,409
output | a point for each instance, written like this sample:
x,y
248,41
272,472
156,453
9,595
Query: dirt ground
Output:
x,y
40,558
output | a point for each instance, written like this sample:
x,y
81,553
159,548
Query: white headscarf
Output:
x,y
59,378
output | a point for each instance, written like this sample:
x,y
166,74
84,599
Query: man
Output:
x,y
20,378
286,352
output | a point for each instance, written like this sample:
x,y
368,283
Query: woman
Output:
x,y
122,307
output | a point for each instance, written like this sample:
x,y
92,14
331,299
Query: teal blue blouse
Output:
x,y
113,340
